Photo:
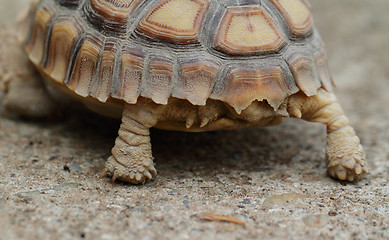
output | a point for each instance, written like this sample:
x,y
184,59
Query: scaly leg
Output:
x,y
345,156
132,159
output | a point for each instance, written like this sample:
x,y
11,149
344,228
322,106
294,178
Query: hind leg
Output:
x,y
345,156
24,93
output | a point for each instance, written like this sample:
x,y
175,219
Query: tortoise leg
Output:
x,y
132,159
345,156
27,98
25,94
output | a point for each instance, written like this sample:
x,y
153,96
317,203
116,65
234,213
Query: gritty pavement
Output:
x,y
273,179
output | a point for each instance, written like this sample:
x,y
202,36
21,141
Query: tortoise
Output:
x,y
187,65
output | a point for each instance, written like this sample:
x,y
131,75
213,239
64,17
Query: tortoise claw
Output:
x,y
113,179
102,175
134,175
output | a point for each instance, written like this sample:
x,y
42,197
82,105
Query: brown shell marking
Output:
x,y
248,30
176,21
83,73
106,72
132,64
297,14
304,74
64,35
158,84
111,15
35,46
198,79
247,85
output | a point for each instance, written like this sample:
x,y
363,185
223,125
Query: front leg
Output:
x,y
25,94
345,156
132,159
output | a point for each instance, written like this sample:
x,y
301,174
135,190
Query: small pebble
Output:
x,y
319,220
332,213
278,200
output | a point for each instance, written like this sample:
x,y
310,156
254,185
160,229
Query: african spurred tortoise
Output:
x,y
188,65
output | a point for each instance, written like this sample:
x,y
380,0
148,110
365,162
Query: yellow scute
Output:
x,y
176,14
296,9
250,31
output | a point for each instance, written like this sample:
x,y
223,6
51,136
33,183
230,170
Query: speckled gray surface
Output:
x,y
49,170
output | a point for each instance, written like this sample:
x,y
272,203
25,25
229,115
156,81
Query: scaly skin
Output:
x,y
132,159
345,155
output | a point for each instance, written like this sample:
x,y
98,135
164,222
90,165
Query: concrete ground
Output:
x,y
272,179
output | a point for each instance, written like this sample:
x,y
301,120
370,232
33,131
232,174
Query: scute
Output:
x,y
297,14
198,78
158,84
106,71
132,64
246,84
304,74
248,30
84,70
110,16
322,70
35,45
64,35
176,21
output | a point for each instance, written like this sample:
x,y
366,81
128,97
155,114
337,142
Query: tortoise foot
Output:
x,y
137,174
345,155
31,103
132,159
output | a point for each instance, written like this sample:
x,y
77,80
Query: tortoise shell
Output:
x,y
233,51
